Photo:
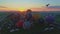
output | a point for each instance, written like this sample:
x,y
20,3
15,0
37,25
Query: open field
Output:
x,y
37,29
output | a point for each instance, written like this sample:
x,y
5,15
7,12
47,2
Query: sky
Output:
x,y
35,5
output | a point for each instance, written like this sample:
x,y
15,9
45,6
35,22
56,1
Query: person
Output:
x,y
18,25
27,24
29,17
28,14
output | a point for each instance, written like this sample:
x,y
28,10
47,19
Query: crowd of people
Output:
x,y
24,22
27,21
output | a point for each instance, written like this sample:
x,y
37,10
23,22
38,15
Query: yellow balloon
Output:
x,y
36,16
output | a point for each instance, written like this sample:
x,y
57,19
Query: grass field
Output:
x,y
35,30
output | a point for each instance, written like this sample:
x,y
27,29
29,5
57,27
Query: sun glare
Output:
x,y
21,9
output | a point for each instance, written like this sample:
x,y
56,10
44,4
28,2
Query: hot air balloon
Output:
x,y
47,5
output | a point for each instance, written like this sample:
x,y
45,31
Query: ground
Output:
x,y
36,30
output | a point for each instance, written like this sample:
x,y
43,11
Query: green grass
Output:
x,y
35,30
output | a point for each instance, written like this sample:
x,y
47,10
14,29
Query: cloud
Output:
x,y
3,7
50,8
54,7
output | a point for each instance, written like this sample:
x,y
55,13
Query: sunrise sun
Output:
x,y
21,9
